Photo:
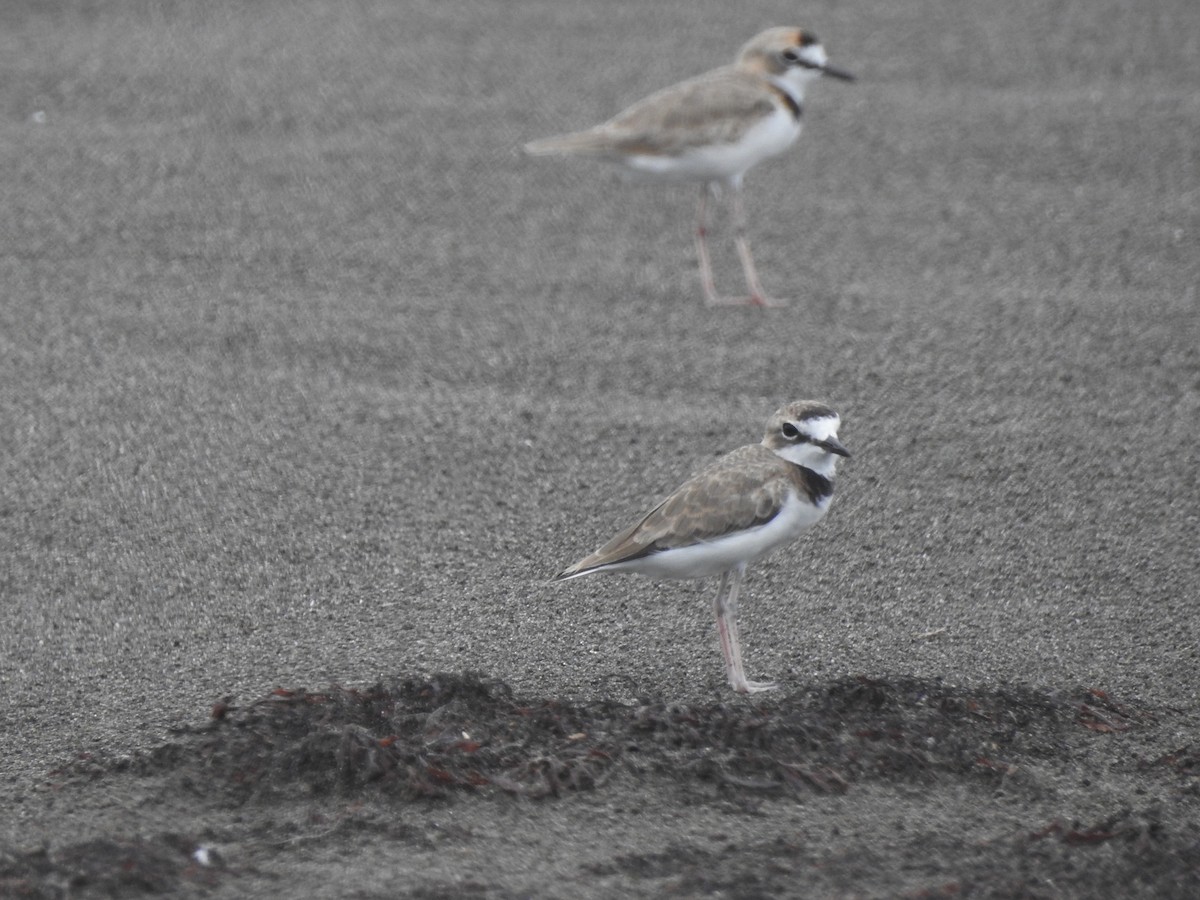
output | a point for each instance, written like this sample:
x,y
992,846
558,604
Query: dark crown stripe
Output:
x,y
816,412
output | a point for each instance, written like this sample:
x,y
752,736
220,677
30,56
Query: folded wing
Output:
x,y
739,491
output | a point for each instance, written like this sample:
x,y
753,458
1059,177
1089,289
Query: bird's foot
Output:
x,y
742,686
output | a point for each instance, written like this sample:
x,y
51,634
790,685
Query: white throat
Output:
x,y
792,83
810,456
795,80
820,461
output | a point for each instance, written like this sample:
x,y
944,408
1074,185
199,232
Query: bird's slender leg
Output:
x,y
706,274
726,605
758,296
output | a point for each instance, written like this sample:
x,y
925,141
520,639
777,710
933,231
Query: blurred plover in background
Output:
x,y
713,128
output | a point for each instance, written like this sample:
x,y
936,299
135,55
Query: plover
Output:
x,y
713,128
739,508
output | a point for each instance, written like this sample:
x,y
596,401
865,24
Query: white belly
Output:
x,y
722,162
722,554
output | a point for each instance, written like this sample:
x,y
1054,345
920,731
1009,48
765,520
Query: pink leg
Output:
x,y
706,275
726,604
758,296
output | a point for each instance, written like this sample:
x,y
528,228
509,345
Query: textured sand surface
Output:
x,y
308,379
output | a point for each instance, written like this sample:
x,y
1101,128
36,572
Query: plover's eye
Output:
x,y
790,431
790,55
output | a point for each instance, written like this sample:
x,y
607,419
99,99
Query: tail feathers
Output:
x,y
570,572
579,143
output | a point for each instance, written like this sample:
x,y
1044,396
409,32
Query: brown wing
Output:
x,y
740,490
717,107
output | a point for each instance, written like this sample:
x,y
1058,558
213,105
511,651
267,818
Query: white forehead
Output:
x,y
815,54
821,429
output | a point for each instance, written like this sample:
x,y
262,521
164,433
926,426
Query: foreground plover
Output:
x,y
712,129
738,509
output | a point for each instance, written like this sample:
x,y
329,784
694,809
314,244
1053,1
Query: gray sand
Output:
x,y
311,379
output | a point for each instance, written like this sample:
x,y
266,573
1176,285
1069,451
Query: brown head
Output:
x,y
805,433
790,53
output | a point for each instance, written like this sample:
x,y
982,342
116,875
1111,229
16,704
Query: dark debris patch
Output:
x,y
830,737
1127,855
107,867
1184,761
421,738
433,739
1142,853
450,734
